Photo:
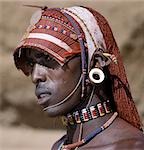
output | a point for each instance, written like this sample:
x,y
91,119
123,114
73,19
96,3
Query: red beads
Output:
x,y
93,112
85,115
101,109
106,106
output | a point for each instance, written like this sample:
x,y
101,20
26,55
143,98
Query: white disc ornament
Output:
x,y
99,73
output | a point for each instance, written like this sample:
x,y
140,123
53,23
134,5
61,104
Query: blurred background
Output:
x,y
23,125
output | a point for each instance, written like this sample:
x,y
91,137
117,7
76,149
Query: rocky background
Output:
x,y
18,107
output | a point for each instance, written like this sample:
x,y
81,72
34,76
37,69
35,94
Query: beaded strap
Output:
x,y
83,51
59,22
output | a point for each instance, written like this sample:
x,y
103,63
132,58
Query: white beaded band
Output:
x,y
52,39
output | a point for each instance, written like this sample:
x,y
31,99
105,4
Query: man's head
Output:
x,y
54,82
60,44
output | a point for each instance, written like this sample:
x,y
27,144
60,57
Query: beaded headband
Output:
x,y
49,31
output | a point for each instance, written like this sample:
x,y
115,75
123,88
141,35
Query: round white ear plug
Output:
x,y
96,72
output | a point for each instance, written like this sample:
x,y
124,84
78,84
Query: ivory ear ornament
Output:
x,y
99,73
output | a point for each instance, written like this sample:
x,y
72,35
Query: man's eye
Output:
x,y
30,63
48,58
49,62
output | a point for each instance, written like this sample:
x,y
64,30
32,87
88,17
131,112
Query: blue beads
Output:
x,y
92,135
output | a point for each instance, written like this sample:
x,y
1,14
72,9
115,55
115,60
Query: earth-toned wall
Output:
x,y
17,100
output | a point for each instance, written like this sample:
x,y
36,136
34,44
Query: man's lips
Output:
x,y
43,96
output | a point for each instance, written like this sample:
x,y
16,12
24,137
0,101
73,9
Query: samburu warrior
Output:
x,y
74,62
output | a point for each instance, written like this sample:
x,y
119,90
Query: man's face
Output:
x,y
54,82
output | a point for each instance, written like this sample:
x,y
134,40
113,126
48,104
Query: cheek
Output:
x,y
67,82
63,86
62,78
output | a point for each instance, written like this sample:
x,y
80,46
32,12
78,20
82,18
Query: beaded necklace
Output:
x,y
88,113
90,136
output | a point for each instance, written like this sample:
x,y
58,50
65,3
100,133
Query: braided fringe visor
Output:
x,y
54,26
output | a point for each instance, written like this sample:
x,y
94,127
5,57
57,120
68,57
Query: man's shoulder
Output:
x,y
127,144
59,143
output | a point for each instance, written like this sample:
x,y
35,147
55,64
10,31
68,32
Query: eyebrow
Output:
x,y
39,54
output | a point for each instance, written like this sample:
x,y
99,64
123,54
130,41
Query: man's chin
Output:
x,y
54,112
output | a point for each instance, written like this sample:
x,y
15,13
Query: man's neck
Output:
x,y
73,131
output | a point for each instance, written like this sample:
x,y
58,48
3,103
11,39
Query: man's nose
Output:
x,y
38,74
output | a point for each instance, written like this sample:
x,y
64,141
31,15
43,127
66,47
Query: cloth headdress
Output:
x,y
53,33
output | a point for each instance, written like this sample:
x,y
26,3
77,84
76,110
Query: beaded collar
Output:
x,y
86,114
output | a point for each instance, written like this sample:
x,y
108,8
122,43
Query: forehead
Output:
x,y
34,53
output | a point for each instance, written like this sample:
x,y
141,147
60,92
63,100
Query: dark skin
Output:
x,y
51,79
54,82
